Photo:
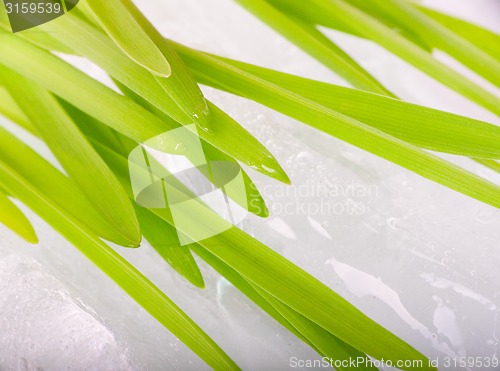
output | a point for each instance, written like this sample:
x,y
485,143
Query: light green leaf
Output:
x,y
491,164
300,291
316,44
124,30
10,109
313,15
254,201
326,344
163,238
60,188
316,337
117,111
215,72
14,219
483,39
76,155
277,276
181,85
424,127
372,28
118,269
408,16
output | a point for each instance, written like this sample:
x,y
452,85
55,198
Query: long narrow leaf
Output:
x,y
181,85
10,109
117,268
482,38
14,219
162,236
286,282
254,201
60,188
129,36
237,81
121,113
316,337
315,16
408,16
424,127
316,44
371,28
76,155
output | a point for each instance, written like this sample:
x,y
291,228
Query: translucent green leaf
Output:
x,y
318,338
315,43
117,111
491,164
300,291
375,30
424,127
215,72
254,201
14,219
76,155
482,38
10,110
372,28
129,36
163,238
272,273
118,269
408,16
60,188
181,85
313,15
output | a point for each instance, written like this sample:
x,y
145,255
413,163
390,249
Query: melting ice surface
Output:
x,y
419,259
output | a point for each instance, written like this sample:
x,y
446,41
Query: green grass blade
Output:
x,y
491,164
316,337
94,45
301,292
239,82
255,202
327,344
482,38
121,113
424,127
163,238
60,188
388,38
118,269
76,155
15,220
181,85
407,15
316,44
123,29
313,15
10,109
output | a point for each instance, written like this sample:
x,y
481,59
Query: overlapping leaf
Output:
x,y
14,219
76,155
28,190
369,26
121,113
424,127
216,72
316,44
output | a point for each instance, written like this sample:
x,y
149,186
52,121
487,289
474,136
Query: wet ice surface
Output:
x,y
418,258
